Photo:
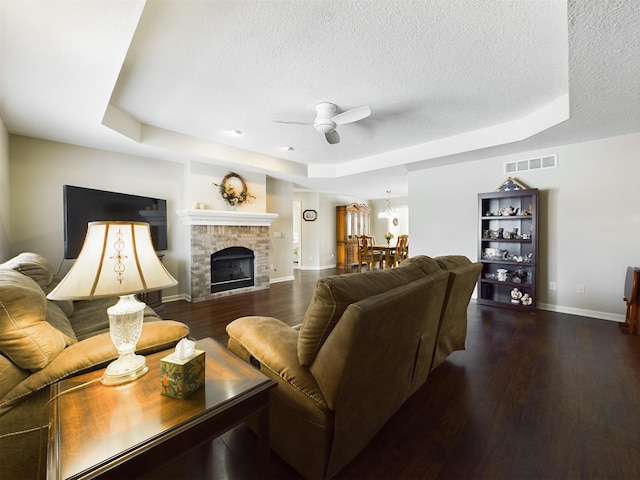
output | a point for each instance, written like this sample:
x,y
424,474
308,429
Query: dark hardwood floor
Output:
x,y
534,396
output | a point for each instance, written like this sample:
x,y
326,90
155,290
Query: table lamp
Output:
x,y
117,258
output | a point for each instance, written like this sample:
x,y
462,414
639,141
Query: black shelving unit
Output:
x,y
508,248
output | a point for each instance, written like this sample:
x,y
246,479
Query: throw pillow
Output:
x,y
25,337
33,266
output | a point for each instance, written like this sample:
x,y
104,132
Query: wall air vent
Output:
x,y
550,161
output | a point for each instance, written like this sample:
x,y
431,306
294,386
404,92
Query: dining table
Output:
x,y
387,252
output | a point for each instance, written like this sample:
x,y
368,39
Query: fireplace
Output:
x,y
213,231
232,268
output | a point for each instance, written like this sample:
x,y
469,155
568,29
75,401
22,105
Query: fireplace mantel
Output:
x,y
230,218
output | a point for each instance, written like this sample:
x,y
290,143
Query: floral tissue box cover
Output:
x,y
180,378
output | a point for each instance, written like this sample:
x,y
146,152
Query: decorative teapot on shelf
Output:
x,y
508,211
502,274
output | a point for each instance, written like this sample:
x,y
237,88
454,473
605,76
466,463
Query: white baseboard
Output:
x,y
613,317
175,298
282,279
319,267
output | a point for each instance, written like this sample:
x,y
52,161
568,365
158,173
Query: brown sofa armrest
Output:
x,y
453,325
273,345
92,353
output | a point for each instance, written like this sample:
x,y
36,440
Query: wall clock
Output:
x,y
310,215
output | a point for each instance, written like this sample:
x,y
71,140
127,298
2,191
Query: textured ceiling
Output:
x,y
447,80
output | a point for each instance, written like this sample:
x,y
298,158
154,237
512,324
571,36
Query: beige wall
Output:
x,y
589,218
200,188
5,206
319,237
40,168
279,195
380,226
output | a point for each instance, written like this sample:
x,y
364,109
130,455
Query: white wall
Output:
x,y
200,188
310,231
589,218
5,205
279,195
318,238
379,226
327,237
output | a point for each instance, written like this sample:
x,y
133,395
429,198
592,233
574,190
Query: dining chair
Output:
x,y
401,251
367,254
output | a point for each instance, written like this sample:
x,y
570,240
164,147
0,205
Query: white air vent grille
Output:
x,y
550,161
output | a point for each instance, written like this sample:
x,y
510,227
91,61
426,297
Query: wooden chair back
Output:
x,y
366,253
402,250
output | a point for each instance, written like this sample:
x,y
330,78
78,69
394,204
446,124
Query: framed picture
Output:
x,y
310,215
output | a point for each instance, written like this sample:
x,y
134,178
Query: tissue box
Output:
x,y
180,378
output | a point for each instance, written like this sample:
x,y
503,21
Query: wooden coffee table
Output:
x,y
130,430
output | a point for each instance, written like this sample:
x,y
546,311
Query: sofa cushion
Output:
x,y
11,376
450,262
57,318
90,316
40,270
335,293
33,266
25,337
427,264
65,305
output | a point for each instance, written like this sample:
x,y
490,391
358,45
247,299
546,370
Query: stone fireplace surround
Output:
x,y
214,230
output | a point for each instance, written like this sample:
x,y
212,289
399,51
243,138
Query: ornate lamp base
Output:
x,y
125,327
115,374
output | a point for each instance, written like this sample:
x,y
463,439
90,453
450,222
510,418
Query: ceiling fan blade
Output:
x,y
291,123
332,137
352,115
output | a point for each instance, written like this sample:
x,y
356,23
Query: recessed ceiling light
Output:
x,y
287,149
234,133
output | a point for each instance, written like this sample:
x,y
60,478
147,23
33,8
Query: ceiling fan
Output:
x,y
326,119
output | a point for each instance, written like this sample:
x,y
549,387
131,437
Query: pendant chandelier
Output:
x,y
388,212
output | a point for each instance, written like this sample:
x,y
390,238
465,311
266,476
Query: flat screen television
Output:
x,y
84,205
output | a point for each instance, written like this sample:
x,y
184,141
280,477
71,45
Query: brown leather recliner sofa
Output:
x,y
367,342
43,341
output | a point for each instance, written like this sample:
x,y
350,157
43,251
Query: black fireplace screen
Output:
x,y
232,268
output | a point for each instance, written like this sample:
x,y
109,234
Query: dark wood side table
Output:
x,y
130,430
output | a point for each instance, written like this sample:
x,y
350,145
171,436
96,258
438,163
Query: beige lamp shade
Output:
x,y
117,258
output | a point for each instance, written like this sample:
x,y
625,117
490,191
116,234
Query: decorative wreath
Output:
x,y
230,191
